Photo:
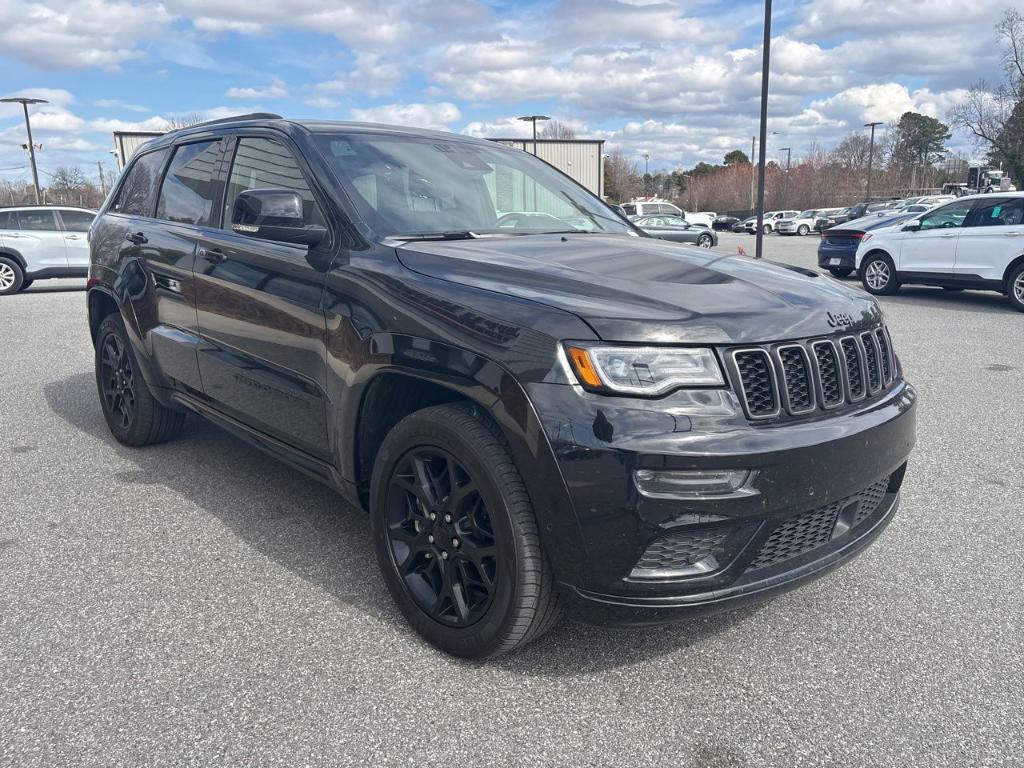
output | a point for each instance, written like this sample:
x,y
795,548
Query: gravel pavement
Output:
x,y
199,603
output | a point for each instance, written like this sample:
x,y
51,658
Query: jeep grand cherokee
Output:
x,y
541,409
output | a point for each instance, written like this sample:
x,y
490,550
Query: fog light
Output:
x,y
690,483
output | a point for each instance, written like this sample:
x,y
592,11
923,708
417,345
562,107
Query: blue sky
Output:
x,y
679,80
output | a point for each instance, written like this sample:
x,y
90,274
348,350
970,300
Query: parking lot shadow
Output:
x,y
310,530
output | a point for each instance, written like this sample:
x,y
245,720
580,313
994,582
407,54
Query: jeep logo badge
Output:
x,y
839,319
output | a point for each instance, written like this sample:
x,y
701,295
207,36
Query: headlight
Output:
x,y
646,371
866,237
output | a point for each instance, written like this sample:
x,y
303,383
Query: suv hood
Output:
x,y
639,289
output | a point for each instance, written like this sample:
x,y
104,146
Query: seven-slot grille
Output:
x,y
803,377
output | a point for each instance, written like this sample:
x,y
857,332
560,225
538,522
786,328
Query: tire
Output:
x,y
482,546
766,229
878,275
12,278
705,241
1015,288
840,271
133,415
26,283
802,230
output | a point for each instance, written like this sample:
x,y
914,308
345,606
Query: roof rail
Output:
x,y
236,118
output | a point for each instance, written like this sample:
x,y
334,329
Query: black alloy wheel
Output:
x,y
455,534
440,537
705,241
117,381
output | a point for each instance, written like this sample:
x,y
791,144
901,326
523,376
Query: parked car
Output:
x,y
768,222
651,208
725,222
535,421
973,242
802,224
699,219
41,242
677,230
837,250
859,210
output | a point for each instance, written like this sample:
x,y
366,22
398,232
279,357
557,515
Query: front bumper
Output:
x,y
800,468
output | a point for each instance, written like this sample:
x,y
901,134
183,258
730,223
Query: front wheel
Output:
x,y
456,537
802,230
840,271
878,274
705,241
767,229
1015,288
12,278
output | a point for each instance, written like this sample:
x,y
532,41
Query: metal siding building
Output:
x,y
579,158
127,143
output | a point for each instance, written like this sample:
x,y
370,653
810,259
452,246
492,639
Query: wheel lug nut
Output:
x,y
444,555
430,538
455,542
447,518
433,515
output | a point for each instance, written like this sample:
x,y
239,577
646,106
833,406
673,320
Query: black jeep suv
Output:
x,y
541,409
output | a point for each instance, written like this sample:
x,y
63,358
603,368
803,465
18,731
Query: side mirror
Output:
x,y
911,226
274,214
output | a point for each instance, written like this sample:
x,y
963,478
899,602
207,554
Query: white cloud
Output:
x,y
276,90
118,104
438,116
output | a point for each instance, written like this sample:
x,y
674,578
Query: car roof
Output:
x,y
47,208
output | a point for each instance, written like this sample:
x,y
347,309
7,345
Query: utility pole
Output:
x,y
871,157
785,189
25,101
753,165
533,119
765,61
103,181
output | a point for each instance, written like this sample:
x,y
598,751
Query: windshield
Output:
x,y
413,185
807,214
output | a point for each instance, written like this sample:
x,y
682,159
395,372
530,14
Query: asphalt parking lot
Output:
x,y
198,603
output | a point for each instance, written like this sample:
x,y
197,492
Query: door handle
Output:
x,y
72,237
1013,234
214,255
952,235
136,237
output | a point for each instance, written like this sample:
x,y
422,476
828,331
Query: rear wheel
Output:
x,y
879,275
840,271
12,278
1015,288
133,415
802,230
767,229
456,537
705,241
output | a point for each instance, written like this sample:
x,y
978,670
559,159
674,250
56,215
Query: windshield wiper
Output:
x,y
593,216
449,235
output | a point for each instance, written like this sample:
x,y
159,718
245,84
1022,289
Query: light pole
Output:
x,y
647,158
871,157
533,119
25,101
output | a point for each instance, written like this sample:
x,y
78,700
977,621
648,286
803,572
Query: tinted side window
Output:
x,y
1005,212
8,220
190,190
264,163
37,220
136,194
77,221
948,216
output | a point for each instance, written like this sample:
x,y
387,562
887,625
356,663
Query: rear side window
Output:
x,y
135,197
629,209
190,191
77,221
37,220
8,220
265,163
1006,212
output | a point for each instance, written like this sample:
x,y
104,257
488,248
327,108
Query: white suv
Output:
x,y
771,218
972,242
40,242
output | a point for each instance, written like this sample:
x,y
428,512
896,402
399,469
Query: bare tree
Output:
x,y
184,120
553,129
994,115
621,177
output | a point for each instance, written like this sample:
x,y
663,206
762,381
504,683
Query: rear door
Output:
x,y
992,237
38,238
260,310
76,224
932,248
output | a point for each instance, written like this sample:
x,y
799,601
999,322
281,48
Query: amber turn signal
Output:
x,y
584,367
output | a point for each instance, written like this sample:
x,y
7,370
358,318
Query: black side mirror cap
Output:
x,y
274,214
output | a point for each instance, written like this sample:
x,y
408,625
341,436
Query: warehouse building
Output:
x,y
580,159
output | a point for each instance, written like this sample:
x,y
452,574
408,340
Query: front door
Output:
x,y
932,248
39,240
992,237
260,313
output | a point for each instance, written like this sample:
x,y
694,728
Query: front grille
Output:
x,y
804,377
809,530
757,382
679,551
